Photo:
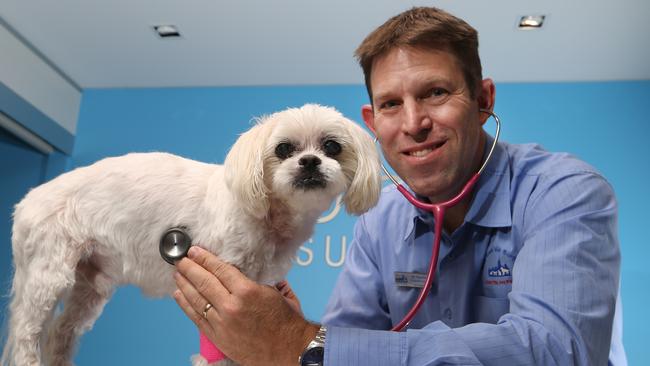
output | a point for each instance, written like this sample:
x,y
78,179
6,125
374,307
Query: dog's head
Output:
x,y
304,157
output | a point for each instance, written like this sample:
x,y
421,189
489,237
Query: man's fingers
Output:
x,y
290,296
231,278
191,295
196,317
284,288
205,283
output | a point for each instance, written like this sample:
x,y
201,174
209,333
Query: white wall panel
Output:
x,y
31,78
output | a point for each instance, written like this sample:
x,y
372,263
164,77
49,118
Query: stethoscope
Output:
x,y
174,244
438,211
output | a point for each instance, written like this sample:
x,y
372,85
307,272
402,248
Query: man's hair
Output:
x,y
426,28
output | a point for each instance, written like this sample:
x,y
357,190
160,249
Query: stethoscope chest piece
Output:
x,y
174,245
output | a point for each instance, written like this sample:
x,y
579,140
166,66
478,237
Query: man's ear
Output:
x,y
486,97
368,117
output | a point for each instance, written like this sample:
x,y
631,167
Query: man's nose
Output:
x,y
417,121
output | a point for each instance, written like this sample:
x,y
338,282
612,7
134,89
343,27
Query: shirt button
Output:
x,y
447,313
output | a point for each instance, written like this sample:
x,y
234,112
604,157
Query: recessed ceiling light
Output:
x,y
531,21
166,31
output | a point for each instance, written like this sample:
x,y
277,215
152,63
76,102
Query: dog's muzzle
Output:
x,y
309,176
310,180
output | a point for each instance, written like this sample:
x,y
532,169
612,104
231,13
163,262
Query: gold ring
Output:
x,y
207,307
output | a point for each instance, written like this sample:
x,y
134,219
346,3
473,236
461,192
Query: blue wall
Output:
x,y
602,123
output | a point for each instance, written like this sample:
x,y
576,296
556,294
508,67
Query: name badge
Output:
x,y
410,279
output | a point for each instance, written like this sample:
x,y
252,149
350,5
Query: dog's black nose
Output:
x,y
309,161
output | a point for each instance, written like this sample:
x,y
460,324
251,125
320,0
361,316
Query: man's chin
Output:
x,y
428,189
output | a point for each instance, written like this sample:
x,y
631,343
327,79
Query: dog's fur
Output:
x,y
87,231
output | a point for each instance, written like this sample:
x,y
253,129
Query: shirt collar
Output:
x,y
491,203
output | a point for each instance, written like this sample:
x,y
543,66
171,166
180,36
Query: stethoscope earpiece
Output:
x,y
174,245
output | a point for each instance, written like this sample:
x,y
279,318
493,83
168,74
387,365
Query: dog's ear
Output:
x,y
244,169
364,190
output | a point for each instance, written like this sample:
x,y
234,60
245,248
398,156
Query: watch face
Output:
x,y
313,357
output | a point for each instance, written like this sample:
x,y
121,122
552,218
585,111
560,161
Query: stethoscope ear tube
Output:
x,y
496,137
174,245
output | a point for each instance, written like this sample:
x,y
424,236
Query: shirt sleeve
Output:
x,y
565,281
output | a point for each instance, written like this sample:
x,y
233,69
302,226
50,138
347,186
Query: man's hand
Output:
x,y
252,324
289,295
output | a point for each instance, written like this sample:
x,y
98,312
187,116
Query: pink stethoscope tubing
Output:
x,y
438,211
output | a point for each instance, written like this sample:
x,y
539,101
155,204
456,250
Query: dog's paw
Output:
x,y
198,360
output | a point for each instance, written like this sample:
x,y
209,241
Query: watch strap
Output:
x,y
313,354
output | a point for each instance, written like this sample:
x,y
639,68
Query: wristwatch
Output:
x,y
314,353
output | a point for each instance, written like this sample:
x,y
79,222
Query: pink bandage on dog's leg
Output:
x,y
209,351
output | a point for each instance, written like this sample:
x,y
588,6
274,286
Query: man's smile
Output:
x,y
424,150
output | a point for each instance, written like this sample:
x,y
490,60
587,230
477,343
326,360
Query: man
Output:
x,y
529,264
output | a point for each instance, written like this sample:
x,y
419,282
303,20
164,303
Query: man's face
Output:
x,y
429,126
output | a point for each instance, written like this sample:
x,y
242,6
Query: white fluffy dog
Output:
x,y
79,236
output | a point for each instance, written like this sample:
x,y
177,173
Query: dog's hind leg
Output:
x,y
37,288
81,307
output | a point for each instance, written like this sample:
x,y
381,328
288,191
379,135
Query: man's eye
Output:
x,y
284,150
437,92
331,148
389,104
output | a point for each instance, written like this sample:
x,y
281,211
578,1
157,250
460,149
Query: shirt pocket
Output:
x,y
489,309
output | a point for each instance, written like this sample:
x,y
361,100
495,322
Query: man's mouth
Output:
x,y
425,151
420,152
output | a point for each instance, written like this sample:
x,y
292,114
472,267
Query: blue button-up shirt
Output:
x,y
530,277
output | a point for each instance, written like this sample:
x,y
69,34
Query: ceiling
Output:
x,y
110,43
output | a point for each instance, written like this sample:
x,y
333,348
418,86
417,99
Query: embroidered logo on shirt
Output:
x,y
500,270
499,273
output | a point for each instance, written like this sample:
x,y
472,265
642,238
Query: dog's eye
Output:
x,y
284,150
331,148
